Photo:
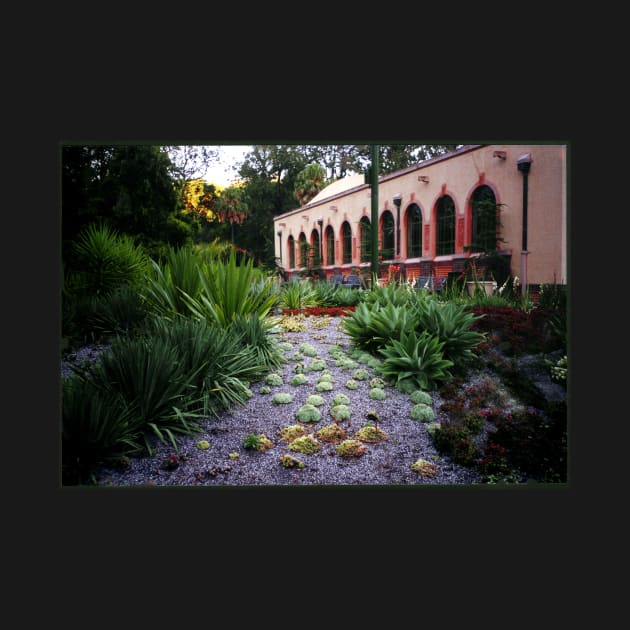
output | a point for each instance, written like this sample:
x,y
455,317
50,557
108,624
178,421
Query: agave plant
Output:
x,y
297,294
415,362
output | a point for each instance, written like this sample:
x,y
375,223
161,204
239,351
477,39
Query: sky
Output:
x,y
221,172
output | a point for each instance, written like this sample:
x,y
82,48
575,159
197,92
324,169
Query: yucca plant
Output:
x,y
121,311
105,261
97,428
229,290
414,362
298,294
254,331
180,274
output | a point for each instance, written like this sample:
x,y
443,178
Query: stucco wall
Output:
x,y
458,175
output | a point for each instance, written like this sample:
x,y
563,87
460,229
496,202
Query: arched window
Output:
x,y
291,246
330,245
445,224
366,239
346,240
388,239
484,220
414,231
315,250
303,249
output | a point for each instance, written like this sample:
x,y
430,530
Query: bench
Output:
x,y
336,279
352,280
430,283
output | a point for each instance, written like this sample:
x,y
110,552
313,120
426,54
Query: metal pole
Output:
x,y
374,215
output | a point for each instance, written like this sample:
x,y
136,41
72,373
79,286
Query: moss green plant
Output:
x,y
377,382
308,350
315,399
282,398
203,445
233,455
299,379
341,399
289,433
425,468
422,413
376,393
308,413
340,412
331,433
419,396
274,379
288,461
352,384
306,444
369,433
324,386
317,365
361,375
351,448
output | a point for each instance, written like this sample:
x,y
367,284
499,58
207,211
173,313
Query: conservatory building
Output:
x,y
434,216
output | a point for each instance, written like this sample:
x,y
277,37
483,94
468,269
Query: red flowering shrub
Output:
x,y
318,311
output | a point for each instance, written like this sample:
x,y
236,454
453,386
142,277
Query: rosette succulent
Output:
x,y
422,413
308,413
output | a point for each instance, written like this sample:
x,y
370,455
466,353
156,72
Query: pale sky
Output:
x,y
221,172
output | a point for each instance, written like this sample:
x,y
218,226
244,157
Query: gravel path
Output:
x,y
226,462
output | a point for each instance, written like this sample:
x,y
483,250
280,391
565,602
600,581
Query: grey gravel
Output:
x,y
385,463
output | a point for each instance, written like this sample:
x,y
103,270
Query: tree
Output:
x,y
308,183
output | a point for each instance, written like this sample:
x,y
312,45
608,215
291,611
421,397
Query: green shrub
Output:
x,y
340,412
376,393
474,422
122,311
315,400
422,413
259,442
297,294
418,396
254,333
455,440
341,399
308,413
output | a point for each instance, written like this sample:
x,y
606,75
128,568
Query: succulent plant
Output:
x,y
274,379
377,382
361,375
288,434
325,376
422,413
425,468
308,413
282,398
299,368
351,448
203,445
233,455
317,365
324,386
352,384
341,399
299,379
419,396
297,356
265,389
332,433
288,461
248,393
257,442
374,363
306,444
308,350
315,399
376,393
285,346
340,412
369,433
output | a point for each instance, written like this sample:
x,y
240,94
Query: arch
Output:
x,y
346,243
445,226
483,219
388,235
365,236
413,219
303,249
329,239
291,248
316,252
